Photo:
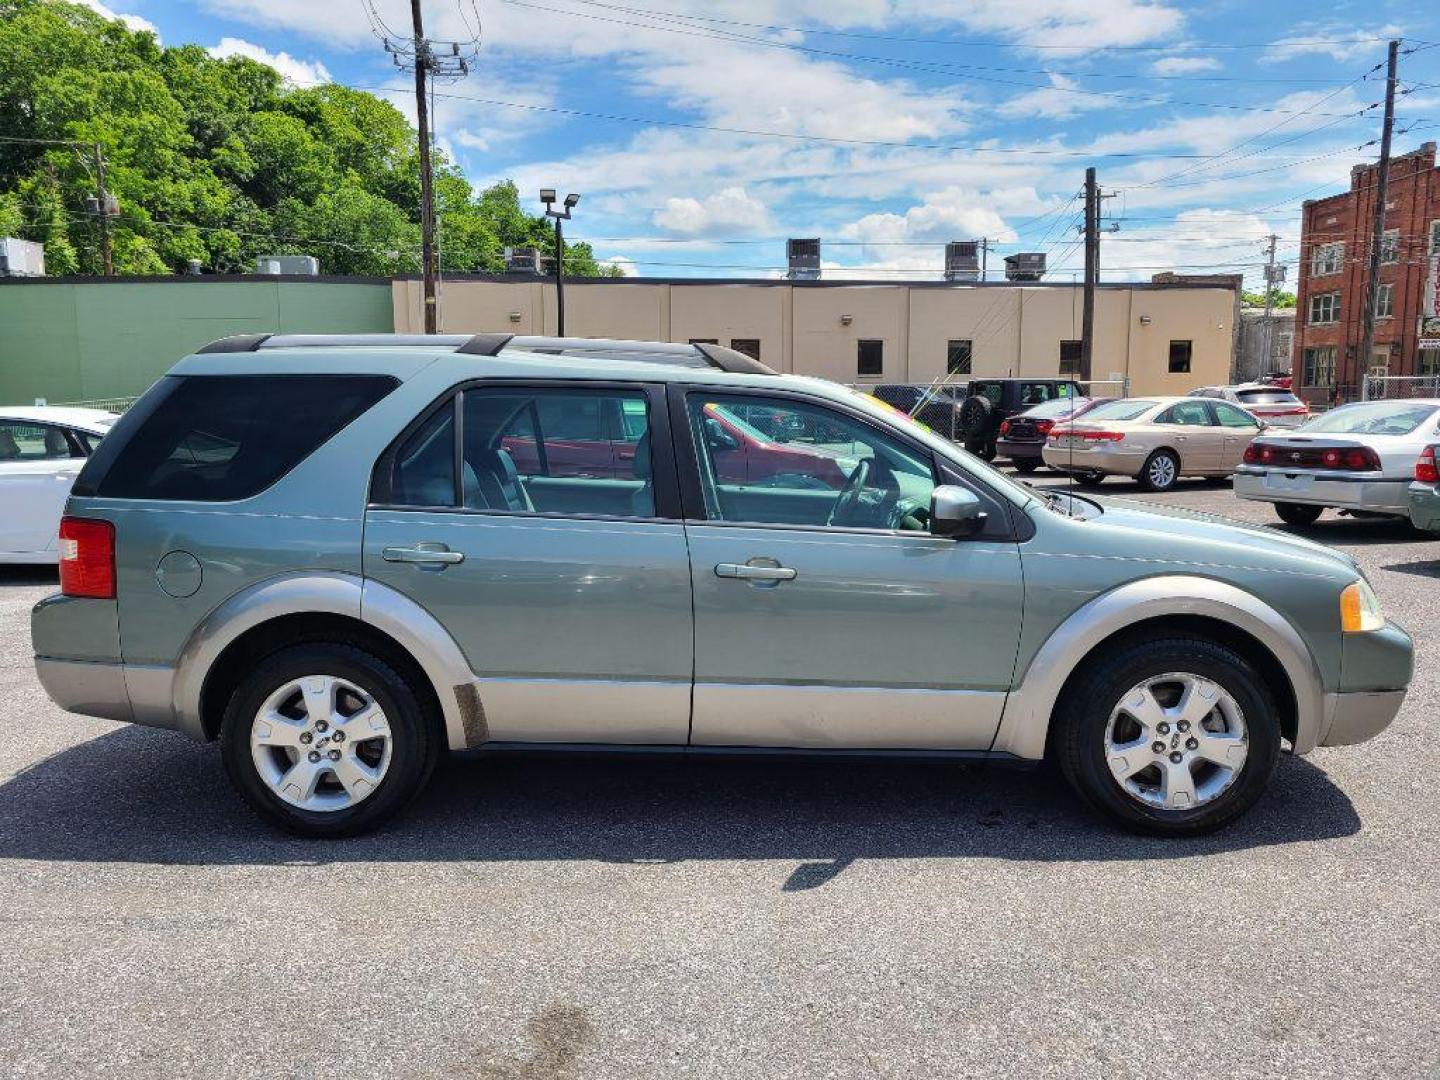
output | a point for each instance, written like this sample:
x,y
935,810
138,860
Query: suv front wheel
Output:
x,y
1172,737
327,740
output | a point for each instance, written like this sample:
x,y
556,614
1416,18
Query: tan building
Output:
x,y
1165,338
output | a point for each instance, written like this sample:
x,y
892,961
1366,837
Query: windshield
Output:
x,y
1058,407
1266,397
1370,418
1127,409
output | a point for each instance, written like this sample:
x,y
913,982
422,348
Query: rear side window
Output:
x,y
217,438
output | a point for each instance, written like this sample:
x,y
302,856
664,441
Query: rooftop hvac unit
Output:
x,y
962,260
21,258
1025,266
304,265
523,260
803,259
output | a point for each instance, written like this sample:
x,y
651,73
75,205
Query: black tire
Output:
x,y
1298,513
1153,477
1025,465
1081,721
1089,479
976,414
416,738
985,451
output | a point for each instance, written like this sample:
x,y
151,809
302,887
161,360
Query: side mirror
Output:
x,y
955,512
717,437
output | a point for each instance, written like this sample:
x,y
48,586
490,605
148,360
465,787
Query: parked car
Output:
x,y
993,401
1156,440
1022,437
340,589
41,451
1274,405
1425,493
1359,458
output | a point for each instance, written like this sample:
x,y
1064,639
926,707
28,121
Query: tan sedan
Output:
x,y
1157,440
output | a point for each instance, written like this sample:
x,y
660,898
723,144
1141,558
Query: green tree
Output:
x,y
219,160
1257,299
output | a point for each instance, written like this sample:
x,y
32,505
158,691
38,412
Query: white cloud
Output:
x,y
134,22
1184,65
623,263
1055,103
1079,23
1340,41
728,210
300,72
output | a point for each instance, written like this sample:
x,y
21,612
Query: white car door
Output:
x,y
38,463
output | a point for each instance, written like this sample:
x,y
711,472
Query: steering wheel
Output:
x,y
848,501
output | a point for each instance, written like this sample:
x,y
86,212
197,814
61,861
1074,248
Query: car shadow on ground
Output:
x,y
144,796
28,575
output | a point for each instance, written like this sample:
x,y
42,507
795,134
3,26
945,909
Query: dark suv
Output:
x,y
991,401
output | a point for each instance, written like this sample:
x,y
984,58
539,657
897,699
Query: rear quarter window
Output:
x,y
217,438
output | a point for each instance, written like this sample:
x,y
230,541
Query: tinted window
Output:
x,y
1371,418
1187,413
870,357
222,437
1266,397
583,452
838,471
424,464
20,441
1230,416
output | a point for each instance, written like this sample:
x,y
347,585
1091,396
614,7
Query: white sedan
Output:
x,y
1359,458
41,451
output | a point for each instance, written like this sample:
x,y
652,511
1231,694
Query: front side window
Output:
x,y
1318,366
1324,308
20,441
835,471
959,356
869,358
1037,393
1180,357
1230,416
1187,414
1326,259
217,438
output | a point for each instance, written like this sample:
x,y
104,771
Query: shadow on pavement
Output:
x,y
28,575
144,796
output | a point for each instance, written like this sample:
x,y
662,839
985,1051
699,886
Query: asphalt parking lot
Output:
x,y
538,919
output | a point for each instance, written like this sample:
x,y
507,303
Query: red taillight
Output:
x,y
1252,455
1342,458
1043,426
87,558
1004,427
1425,470
1057,433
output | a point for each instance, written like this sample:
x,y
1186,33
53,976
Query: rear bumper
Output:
x,y
1379,496
1354,718
1080,459
129,693
1018,450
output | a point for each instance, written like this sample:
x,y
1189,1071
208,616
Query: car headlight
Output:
x,y
1360,609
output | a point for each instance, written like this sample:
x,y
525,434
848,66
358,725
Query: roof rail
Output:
x,y
675,352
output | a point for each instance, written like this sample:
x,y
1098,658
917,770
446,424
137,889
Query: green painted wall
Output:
x,y
79,341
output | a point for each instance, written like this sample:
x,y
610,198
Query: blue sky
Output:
x,y
703,132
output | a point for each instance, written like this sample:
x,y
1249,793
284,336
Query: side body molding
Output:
x,y
339,594
1026,719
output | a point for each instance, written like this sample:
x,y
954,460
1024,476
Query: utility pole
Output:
x,y
102,201
427,186
1382,183
1269,355
1092,271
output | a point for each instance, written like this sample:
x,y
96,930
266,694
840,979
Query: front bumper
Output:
x,y
1318,488
1354,718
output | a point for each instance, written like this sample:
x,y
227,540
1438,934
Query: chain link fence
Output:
x,y
114,405
1385,387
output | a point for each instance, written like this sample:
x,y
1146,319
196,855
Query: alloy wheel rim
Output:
x,y
321,743
1176,741
1162,471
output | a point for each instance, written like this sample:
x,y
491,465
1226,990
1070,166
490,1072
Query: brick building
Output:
x,y
1335,238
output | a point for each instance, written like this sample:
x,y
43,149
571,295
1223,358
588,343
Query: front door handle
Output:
x,y
746,572
426,552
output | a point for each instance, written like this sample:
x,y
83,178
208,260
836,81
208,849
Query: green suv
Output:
x,y
340,557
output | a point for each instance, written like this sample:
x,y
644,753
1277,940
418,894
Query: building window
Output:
x,y
1385,302
869,358
1435,238
958,356
1324,308
704,341
1180,357
1069,358
1390,246
750,346
1319,366
1283,344
1326,259
1430,362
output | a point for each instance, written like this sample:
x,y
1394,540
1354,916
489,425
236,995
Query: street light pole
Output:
x,y
547,196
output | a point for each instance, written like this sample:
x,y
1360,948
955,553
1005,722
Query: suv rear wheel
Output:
x,y
1172,737
1298,513
327,740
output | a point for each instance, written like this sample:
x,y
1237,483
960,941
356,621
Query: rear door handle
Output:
x,y
754,573
427,552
